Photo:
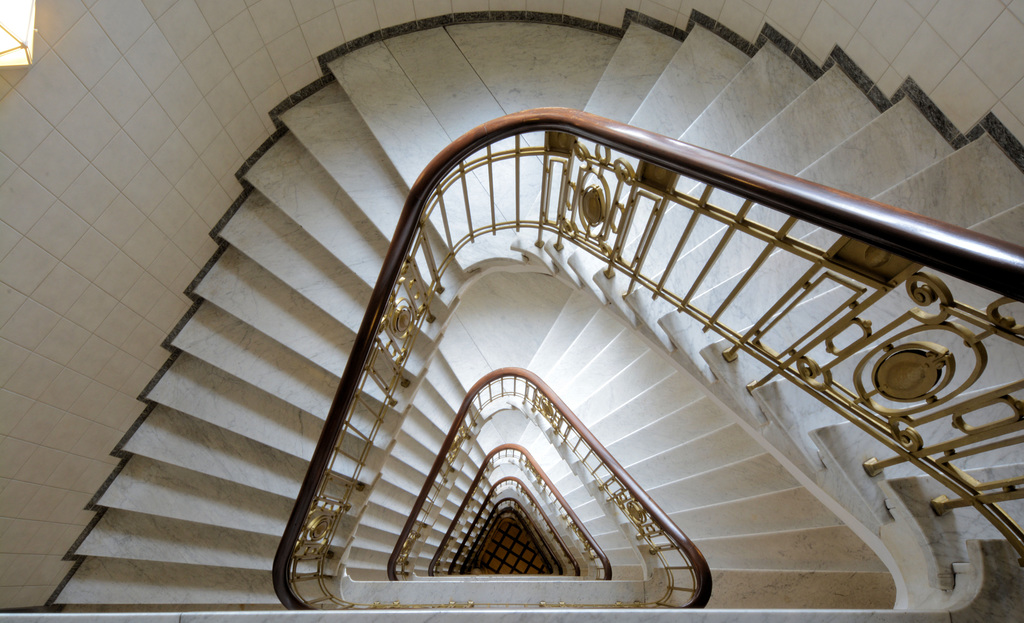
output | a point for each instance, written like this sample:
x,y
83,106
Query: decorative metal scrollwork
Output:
x,y
914,371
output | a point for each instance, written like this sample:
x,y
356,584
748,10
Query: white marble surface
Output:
x,y
224,341
971,185
528,65
740,479
856,592
329,126
204,391
391,108
765,85
124,534
774,511
291,178
827,548
698,71
121,581
635,66
173,437
893,147
556,615
148,486
647,404
243,288
592,339
646,371
280,245
823,116
690,421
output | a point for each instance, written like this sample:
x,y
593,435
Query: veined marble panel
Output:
x,y
445,80
243,288
648,404
173,437
820,118
722,483
204,391
765,86
857,593
893,147
602,329
775,511
331,128
828,548
391,108
155,488
619,354
280,245
121,581
697,73
689,422
528,65
971,185
224,341
634,68
124,534
719,447
294,181
579,308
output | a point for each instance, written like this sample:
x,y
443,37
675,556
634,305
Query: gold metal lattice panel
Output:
x,y
510,549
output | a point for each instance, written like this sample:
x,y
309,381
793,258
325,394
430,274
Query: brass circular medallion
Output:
x,y
592,206
911,372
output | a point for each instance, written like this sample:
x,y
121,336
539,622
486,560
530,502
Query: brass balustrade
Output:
x,y
926,376
502,452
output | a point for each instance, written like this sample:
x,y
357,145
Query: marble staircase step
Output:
x,y
896,145
739,479
827,548
765,86
849,590
282,247
531,65
230,344
648,405
787,509
203,391
250,293
330,127
155,488
123,581
144,537
291,178
173,437
689,422
632,71
824,115
701,67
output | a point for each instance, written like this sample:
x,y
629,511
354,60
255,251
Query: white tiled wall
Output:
x,y
117,153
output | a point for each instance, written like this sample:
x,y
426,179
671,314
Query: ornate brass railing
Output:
x,y
502,452
492,503
929,376
509,506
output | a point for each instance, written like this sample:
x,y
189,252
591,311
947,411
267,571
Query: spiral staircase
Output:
x,y
770,489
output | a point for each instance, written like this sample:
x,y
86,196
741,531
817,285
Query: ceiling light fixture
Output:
x,y
17,24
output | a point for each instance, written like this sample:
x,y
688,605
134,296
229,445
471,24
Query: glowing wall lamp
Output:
x,y
17,23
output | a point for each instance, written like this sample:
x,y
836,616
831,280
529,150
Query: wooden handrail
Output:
x,y
472,487
972,257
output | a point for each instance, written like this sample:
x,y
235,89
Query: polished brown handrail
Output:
x,y
469,493
973,257
494,488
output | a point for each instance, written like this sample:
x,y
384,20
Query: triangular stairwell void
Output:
x,y
765,480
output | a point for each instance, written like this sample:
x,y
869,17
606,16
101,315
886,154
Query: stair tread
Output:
x,y
528,65
765,86
195,387
137,536
703,65
277,243
173,437
244,289
228,343
634,68
329,126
